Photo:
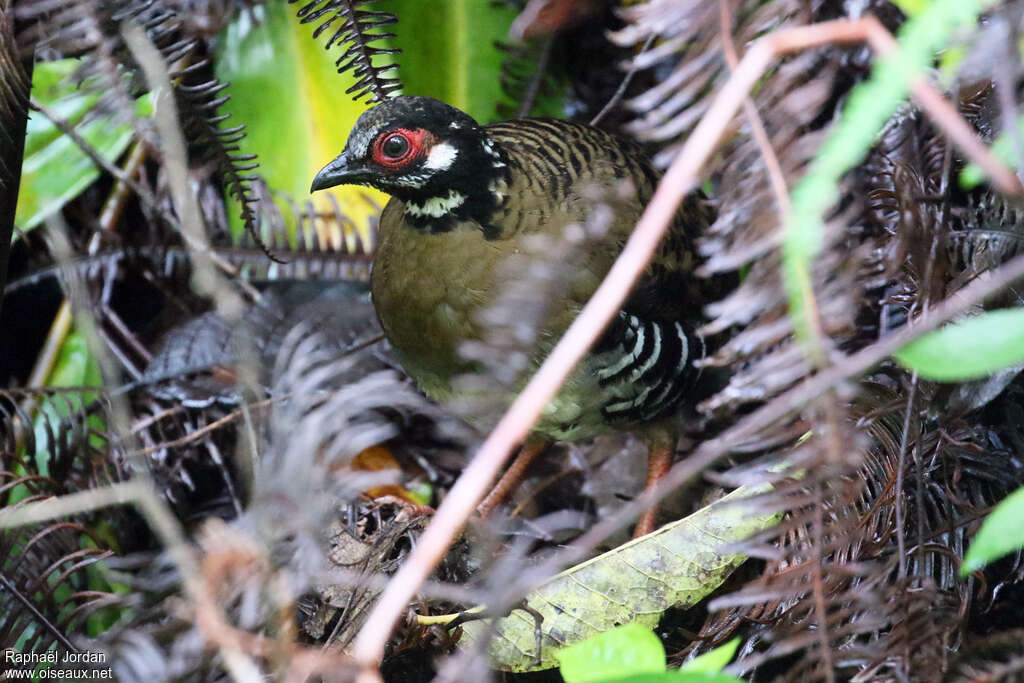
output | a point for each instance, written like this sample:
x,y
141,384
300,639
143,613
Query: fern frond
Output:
x,y
93,27
358,29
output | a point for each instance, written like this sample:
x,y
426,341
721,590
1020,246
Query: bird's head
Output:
x,y
435,158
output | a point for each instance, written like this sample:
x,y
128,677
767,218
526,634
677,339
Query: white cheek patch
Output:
x,y
441,157
435,207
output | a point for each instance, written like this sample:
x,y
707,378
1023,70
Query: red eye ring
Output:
x,y
412,139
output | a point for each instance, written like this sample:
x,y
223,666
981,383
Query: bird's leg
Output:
x,y
659,461
528,452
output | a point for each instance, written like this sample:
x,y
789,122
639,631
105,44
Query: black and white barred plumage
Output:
x,y
649,368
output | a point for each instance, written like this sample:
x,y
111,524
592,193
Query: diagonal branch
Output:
x,y
680,179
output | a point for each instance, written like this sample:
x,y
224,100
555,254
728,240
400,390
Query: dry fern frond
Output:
x,y
860,578
998,657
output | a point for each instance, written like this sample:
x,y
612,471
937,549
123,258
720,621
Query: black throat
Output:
x,y
471,189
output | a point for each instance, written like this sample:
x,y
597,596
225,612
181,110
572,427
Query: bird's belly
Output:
x,y
428,298
574,414
429,291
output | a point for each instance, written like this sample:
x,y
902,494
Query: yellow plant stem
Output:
x,y
47,357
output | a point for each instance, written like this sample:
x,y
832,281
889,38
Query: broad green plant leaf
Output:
x,y
55,170
675,677
714,661
968,349
285,88
449,52
676,566
622,651
634,653
868,108
1002,532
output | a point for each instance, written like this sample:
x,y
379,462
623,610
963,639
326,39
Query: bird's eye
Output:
x,y
395,147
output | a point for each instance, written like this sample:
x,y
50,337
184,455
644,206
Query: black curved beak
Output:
x,y
339,172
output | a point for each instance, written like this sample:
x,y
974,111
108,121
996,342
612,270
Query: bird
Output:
x,y
466,196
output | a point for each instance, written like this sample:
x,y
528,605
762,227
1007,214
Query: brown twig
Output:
x,y
205,429
533,86
681,177
626,80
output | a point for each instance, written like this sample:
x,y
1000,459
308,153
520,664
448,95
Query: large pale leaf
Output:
x,y
448,51
285,88
676,566
55,169
969,349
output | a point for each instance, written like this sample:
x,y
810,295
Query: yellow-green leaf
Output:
x,y
912,7
55,169
75,367
285,88
676,677
968,349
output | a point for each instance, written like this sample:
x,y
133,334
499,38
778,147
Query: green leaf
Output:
x,y
622,651
676,677
448,51
1001,533
968,349
911,7
714,661
75,367
285,88
54,169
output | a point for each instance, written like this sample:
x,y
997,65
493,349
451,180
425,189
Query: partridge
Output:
x,y
465,197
